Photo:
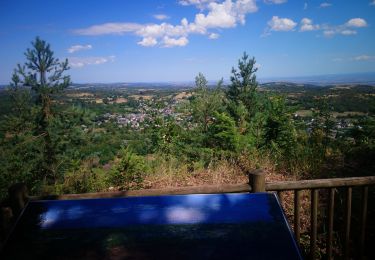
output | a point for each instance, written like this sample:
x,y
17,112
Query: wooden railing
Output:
x,y
256,184
331,184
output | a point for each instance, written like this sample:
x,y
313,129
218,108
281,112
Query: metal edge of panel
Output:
x,y
298,250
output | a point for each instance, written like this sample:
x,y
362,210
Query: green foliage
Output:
x,y
223,133
244,86
129,170
83,177
205,102
45,75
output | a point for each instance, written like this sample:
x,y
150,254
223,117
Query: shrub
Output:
x,y
129,171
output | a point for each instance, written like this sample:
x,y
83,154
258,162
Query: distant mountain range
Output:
x,y
328,79
367,78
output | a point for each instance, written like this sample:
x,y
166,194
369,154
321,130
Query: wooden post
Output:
x,y
331,211
314,222
257,180
363,221
18,196
297,213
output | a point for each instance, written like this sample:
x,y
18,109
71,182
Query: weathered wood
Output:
x,y
257,180
280,196
320,183
224,188
331,207
348,216
297,213
314,222
363,221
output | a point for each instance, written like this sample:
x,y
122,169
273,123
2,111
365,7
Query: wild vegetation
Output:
x,y
58,137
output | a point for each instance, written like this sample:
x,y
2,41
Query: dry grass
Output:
x,y
167,174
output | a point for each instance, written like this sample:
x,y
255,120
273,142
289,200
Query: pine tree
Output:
x,y
205,102
45,75
244,85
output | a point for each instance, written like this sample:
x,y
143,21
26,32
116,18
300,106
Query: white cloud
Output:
x,y
345,29
172,42
330,32
348,32
109,28
148,42
305,6
356,22
307,25
161,16
281,24
372,3
213,36
78,47
324,5
365,58
219,16
201,4
212,15
359,58
275,1
79,62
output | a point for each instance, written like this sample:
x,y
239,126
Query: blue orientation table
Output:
x,y
203,226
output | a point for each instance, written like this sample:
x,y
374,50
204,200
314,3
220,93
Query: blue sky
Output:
x,y
145,41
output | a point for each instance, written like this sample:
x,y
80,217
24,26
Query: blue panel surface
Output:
x,y
204,226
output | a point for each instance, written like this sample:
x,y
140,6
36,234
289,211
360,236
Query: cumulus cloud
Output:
x,y
275,1
346,29
219,16
281,24
79,62
356,22
161,16
212,15
172,42
78,47
307,25
325,5
148,42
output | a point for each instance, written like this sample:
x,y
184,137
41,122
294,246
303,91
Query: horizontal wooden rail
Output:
x,y
320,183
226,188
223,188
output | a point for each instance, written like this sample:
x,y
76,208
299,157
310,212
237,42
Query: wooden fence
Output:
x,y
256,183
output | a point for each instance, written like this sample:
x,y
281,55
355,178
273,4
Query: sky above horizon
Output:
x,y
153,41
